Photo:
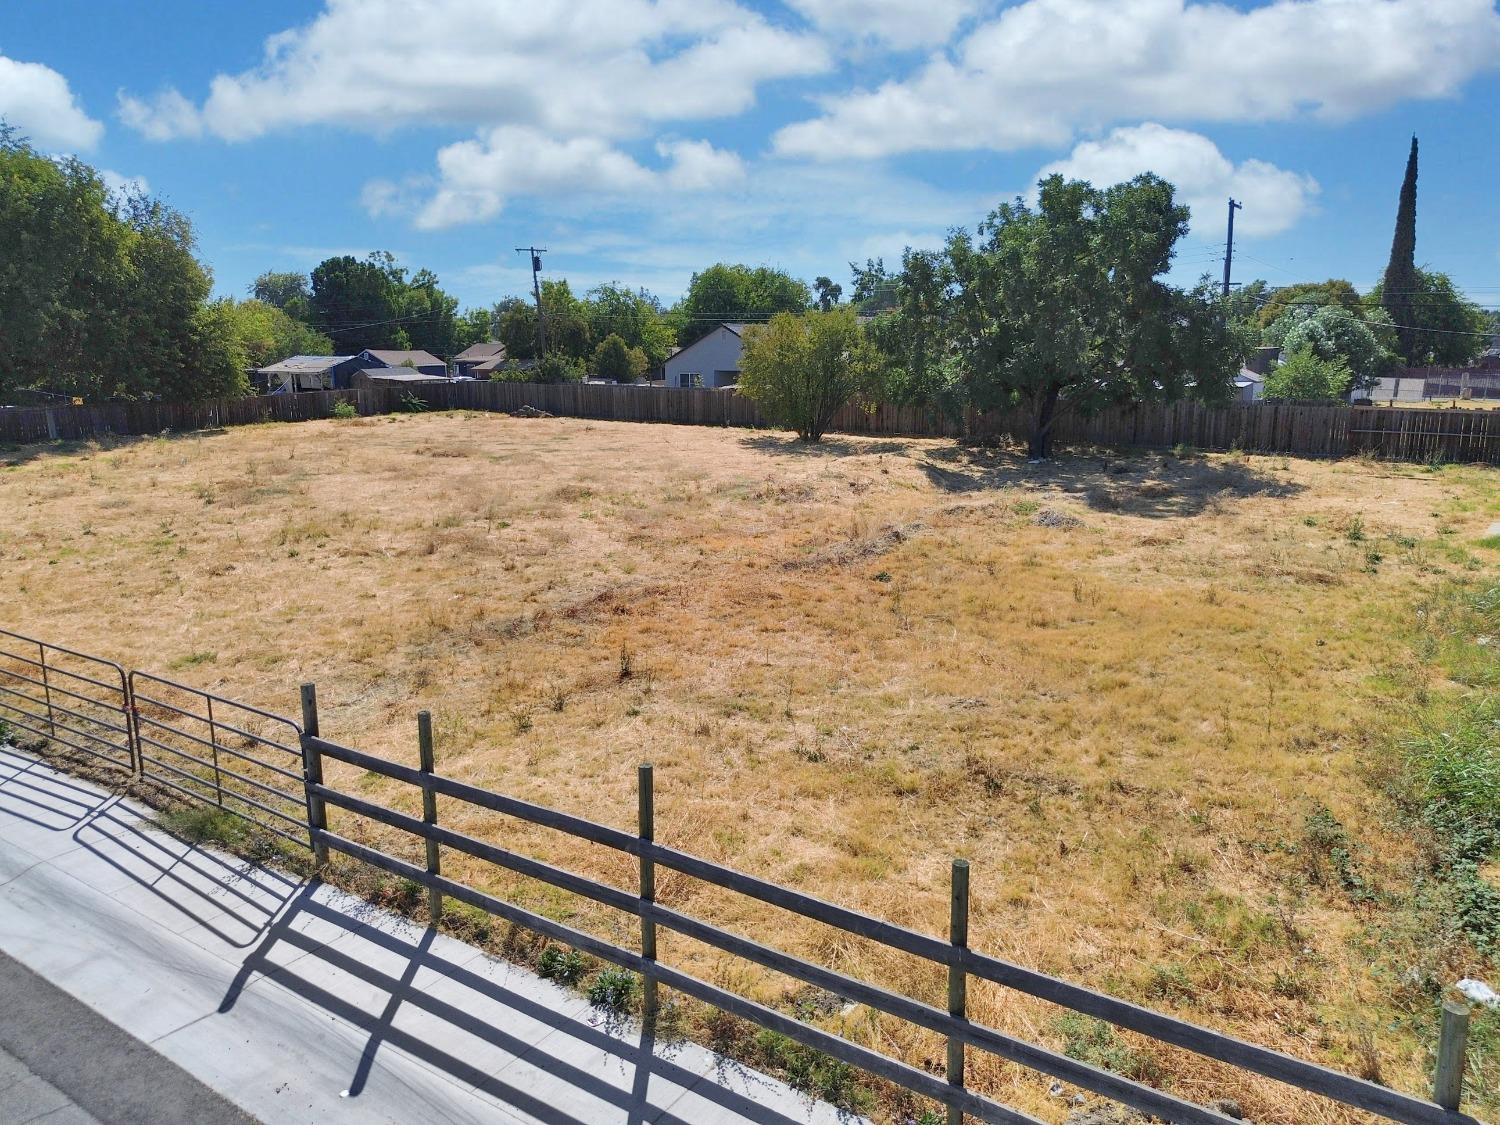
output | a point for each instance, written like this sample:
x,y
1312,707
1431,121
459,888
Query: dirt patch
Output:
x,y
886,539
1051,517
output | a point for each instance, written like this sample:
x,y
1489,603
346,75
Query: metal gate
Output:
x,y
218,752
76,700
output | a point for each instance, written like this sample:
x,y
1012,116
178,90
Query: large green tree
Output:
x,y
635,316
726,293
266,334
617,360
372,303
911,331
568,334
63,265
1446,329
102,296
1310,294
1063,307
1333,333
287,290
356,302
1400,281
800,369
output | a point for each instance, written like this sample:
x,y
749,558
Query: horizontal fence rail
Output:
x,y
217,752
953,954
76,700
1307,429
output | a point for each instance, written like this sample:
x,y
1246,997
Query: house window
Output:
x,y
692,379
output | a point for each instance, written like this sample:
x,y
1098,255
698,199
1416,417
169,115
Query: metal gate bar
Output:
x,y
94,694
182,735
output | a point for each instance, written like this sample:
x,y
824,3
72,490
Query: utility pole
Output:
x,y
536,253
1229,245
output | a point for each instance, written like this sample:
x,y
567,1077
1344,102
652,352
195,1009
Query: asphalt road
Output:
x,y
61,1063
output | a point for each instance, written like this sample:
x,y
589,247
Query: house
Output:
x,y
425,362
1249,385
396,377
308,373
480,361
712,361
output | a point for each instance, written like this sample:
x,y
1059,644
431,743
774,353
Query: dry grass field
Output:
x,y
1140,692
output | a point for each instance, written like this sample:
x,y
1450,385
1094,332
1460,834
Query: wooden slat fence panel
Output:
x,y
1308,429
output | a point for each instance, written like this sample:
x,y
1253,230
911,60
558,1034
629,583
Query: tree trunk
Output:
x,y
1039,444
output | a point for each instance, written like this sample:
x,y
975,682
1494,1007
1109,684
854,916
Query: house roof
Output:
x,y
737,329
491,365
488,350
400,375
396,359
1247,377
301,364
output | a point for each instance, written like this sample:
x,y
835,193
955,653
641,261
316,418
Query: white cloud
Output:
x,y
699,166
118,184
1044,70
475,178
607,68
1205,178
901,24
164,117
37,101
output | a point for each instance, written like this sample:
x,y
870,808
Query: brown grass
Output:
x,y
849,664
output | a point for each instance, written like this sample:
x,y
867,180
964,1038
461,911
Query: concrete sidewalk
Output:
x,y
299,1003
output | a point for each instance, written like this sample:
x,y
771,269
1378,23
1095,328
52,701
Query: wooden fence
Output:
x,y
1307,429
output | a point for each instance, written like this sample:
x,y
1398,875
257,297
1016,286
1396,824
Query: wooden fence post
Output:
x,y
646,809
958,977
429,815
1448,1082
312,772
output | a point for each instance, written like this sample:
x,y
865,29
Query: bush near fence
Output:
x,y
1307,429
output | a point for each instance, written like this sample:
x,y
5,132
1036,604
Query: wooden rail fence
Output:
x,y
245,761
1307,429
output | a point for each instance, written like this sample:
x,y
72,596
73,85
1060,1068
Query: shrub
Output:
x,y
614,990
617,360
565,966
412,404
345,410
1096,1043
1303,375
556,368
800,370
812,1071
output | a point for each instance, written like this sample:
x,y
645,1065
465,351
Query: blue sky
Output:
x,y
642,140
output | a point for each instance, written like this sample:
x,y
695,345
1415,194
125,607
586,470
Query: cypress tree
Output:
x,y
1398,292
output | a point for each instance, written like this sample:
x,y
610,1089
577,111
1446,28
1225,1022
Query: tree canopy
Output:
x,y
635,316
266,334
1333,333
1058,307
726,292
288,291
617,360
102,296
1446,330
1313,294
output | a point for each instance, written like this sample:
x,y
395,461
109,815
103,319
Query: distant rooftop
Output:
x,y
299,364
396,359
